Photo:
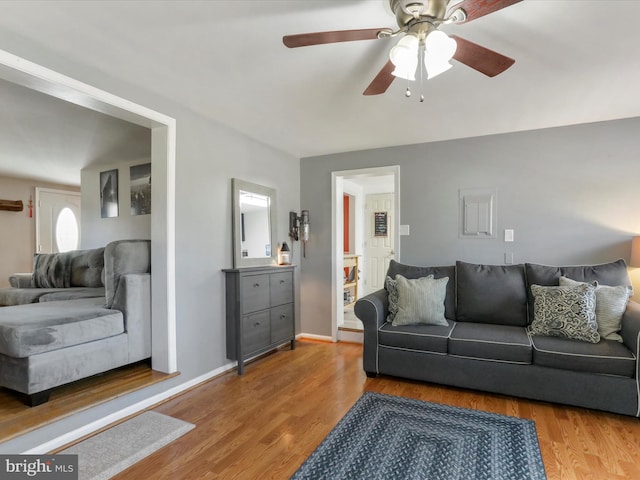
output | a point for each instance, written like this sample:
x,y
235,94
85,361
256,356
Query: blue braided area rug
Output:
x,y
388,437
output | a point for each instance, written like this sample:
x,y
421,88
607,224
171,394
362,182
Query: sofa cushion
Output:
x,y
611,302
495,294
568,311
606,357
490,342
612,274
420,301
27,330
86,268
73,293
52,270
22,296
409,271
427,338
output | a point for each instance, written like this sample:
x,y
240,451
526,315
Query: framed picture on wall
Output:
x,y
380,224
140,178
109,193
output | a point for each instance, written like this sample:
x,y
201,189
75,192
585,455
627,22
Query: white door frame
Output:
x,y
337,227
40,190
163,156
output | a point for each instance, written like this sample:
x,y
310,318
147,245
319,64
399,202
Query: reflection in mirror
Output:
x,y
254,221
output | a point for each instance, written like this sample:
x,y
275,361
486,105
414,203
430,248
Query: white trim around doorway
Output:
x,y
337,191
163,156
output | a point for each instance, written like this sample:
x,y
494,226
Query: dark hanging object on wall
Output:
x,y
11,205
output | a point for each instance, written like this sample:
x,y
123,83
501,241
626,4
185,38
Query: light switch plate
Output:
x,y
404,229
508,235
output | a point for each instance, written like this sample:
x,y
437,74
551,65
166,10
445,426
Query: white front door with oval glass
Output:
x,y
57,220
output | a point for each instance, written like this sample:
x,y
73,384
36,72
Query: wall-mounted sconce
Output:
x,y
299,228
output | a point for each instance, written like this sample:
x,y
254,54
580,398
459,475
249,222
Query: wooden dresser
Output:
x,y
260,311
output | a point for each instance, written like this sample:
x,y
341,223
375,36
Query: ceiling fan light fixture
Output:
x,y
439,45
435,68
439,49
404,57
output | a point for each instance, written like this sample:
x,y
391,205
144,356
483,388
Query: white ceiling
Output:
x,y
576,62
48,139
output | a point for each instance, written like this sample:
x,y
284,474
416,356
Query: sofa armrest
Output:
x,y
372,310
133,299
631,327
20,280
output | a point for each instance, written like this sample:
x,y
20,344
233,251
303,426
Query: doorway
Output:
x,y
365,224
58,220
163,154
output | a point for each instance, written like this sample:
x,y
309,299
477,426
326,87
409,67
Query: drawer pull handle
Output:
x,y
283,316
256,285
282,281
257,324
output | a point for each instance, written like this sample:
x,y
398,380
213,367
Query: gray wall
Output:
x,y
208,156
18,237
571,195
98,231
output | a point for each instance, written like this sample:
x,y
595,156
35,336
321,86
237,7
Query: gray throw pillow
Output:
x,y
392,288
567,311
611,302
421,301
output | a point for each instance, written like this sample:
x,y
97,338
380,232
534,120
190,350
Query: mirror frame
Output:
x,y
238,185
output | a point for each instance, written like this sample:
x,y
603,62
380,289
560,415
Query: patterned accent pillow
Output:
x,y
611,302
392,288
566,311
51,270
421,301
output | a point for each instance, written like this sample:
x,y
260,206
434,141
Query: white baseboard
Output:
x,y
125,412
311,336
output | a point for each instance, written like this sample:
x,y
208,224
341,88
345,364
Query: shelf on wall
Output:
x,y
11,205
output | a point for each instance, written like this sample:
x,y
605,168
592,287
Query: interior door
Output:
x,y
378,250
57,220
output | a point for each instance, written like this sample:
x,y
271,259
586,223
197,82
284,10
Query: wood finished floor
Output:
x,y
264,424
17,419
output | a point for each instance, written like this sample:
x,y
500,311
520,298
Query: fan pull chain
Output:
x,y
421,62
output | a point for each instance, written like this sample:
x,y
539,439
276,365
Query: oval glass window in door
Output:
x,y
67,230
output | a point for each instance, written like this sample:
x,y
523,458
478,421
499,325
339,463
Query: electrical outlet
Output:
x,y
508,258
508,235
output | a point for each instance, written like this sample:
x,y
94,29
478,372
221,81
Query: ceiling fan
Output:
x,y
422,46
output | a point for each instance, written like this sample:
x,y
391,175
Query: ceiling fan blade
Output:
x,y
382,81
479,8
480,58
319,38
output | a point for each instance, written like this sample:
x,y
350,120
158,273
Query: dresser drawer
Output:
x,y
281,288
255,293
282,323
255,332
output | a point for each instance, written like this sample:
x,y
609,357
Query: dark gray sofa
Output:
x,y
487,344
65,338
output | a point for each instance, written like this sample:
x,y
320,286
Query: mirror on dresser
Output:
x,y
254,223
